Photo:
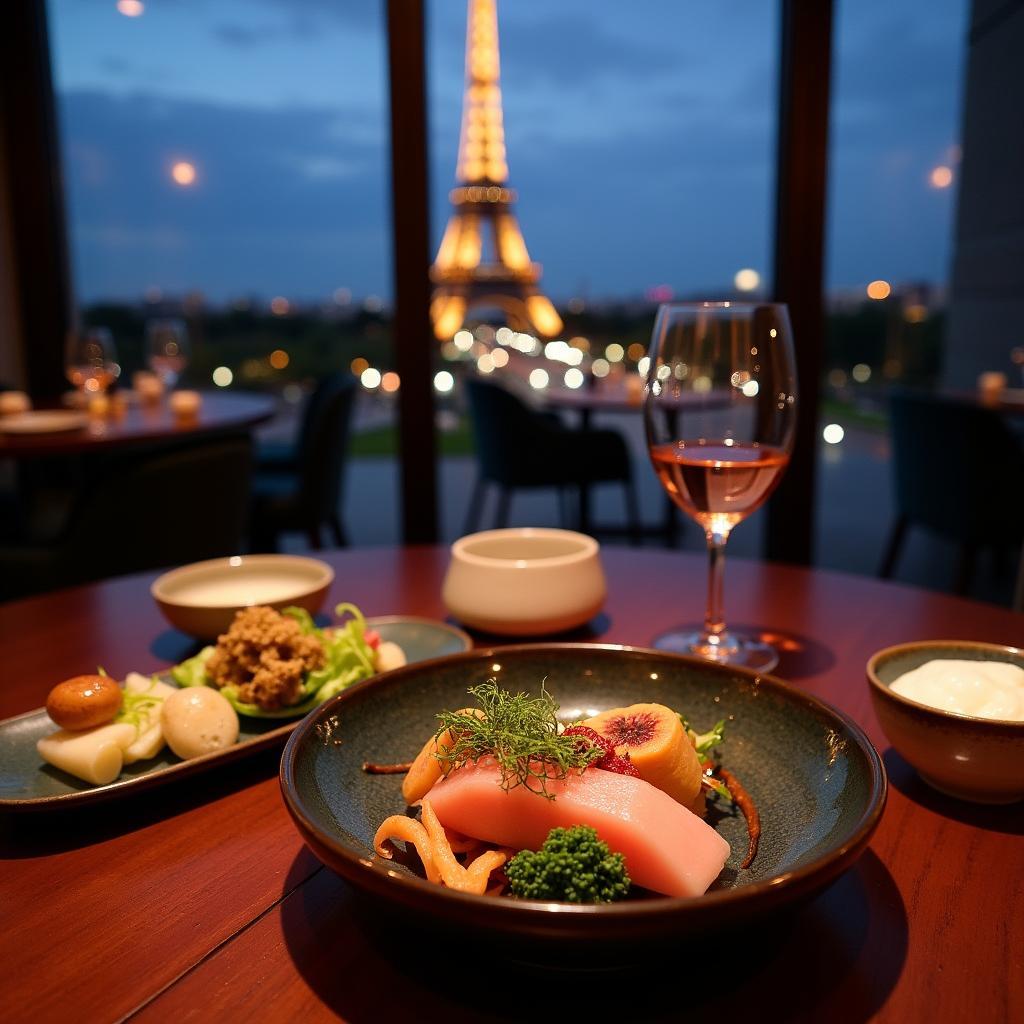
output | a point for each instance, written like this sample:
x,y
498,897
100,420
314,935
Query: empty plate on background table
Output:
x,y
815,777
27,783
43,421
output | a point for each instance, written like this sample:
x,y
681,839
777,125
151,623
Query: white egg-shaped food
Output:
x,y
198,720
389,656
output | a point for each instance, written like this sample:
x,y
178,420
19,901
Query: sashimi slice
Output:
x,y
668,849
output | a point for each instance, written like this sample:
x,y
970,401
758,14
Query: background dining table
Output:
x,y
198,900
219,413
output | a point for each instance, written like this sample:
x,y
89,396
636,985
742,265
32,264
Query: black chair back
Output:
x,y
959,469
515,445
324,441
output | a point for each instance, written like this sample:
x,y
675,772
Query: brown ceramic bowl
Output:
x,y
978,759
817,781
203,598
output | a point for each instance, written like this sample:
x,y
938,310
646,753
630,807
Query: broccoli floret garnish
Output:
x,y
573,866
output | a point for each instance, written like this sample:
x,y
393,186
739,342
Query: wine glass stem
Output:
x,y
714,618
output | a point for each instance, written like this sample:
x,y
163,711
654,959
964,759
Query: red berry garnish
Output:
x,y
619,765
592,738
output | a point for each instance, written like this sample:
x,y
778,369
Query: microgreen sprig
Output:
x,y
520,733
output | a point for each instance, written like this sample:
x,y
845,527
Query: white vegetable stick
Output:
x,y
93,755
150,736
148,745
136,682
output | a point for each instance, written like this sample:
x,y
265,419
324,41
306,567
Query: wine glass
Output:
x,y
720,413
90,360
167,349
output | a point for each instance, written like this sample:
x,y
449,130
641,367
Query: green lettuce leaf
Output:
x,y
348,659
192,671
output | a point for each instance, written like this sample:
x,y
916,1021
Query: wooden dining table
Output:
x,y
198,900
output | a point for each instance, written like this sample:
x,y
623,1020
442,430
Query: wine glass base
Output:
x,y
730,649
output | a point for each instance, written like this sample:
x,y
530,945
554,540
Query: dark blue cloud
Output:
x,y
286,200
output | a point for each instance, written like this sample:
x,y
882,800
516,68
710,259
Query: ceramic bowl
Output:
x,y
524,582
817,781
202,598
976,759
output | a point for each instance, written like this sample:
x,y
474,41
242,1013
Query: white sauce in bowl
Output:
x,y
982,689
241,589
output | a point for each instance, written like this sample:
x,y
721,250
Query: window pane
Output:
x,y
640,141
894,165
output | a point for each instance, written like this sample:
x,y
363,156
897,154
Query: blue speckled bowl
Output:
x,y
975,759
818,783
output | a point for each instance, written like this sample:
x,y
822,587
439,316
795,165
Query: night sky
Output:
x,y
640,140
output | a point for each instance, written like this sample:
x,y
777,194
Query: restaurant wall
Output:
x,y
986,318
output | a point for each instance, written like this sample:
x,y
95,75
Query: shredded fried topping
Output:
x,y
266,655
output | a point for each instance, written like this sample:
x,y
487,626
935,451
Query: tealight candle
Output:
x,y
185,404
14,402
992,384
99,405
148,386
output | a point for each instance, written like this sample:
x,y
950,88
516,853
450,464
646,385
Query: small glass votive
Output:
x,y
148,386
99,405
185,404
12,402
991,385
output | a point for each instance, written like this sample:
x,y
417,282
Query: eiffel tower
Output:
x,y
465,273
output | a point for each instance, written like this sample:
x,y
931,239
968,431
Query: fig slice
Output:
x,y
653,738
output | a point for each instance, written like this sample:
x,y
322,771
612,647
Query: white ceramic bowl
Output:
x,y
202,598
525,582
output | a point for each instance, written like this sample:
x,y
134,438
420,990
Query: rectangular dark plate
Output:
x,y
27,783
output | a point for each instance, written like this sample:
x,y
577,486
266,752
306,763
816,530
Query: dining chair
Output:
x,y
959,472
142,511
284,456
308,497
520,447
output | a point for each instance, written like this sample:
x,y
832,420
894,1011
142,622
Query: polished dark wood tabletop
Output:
x,y
219,413
198,901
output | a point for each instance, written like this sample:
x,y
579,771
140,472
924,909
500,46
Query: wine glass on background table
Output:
x,y
90,360
167,349
720,413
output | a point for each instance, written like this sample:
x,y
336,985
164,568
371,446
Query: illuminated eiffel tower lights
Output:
x,y
482,259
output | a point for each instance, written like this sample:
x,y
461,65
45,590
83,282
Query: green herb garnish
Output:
x,y
573,866
520,732
138,707
705,742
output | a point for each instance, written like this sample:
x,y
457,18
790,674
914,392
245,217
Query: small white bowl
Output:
x,y
524,582
202,598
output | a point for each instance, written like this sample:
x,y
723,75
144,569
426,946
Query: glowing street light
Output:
x,y
183,173
131,8
879,290
747,280
941,176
